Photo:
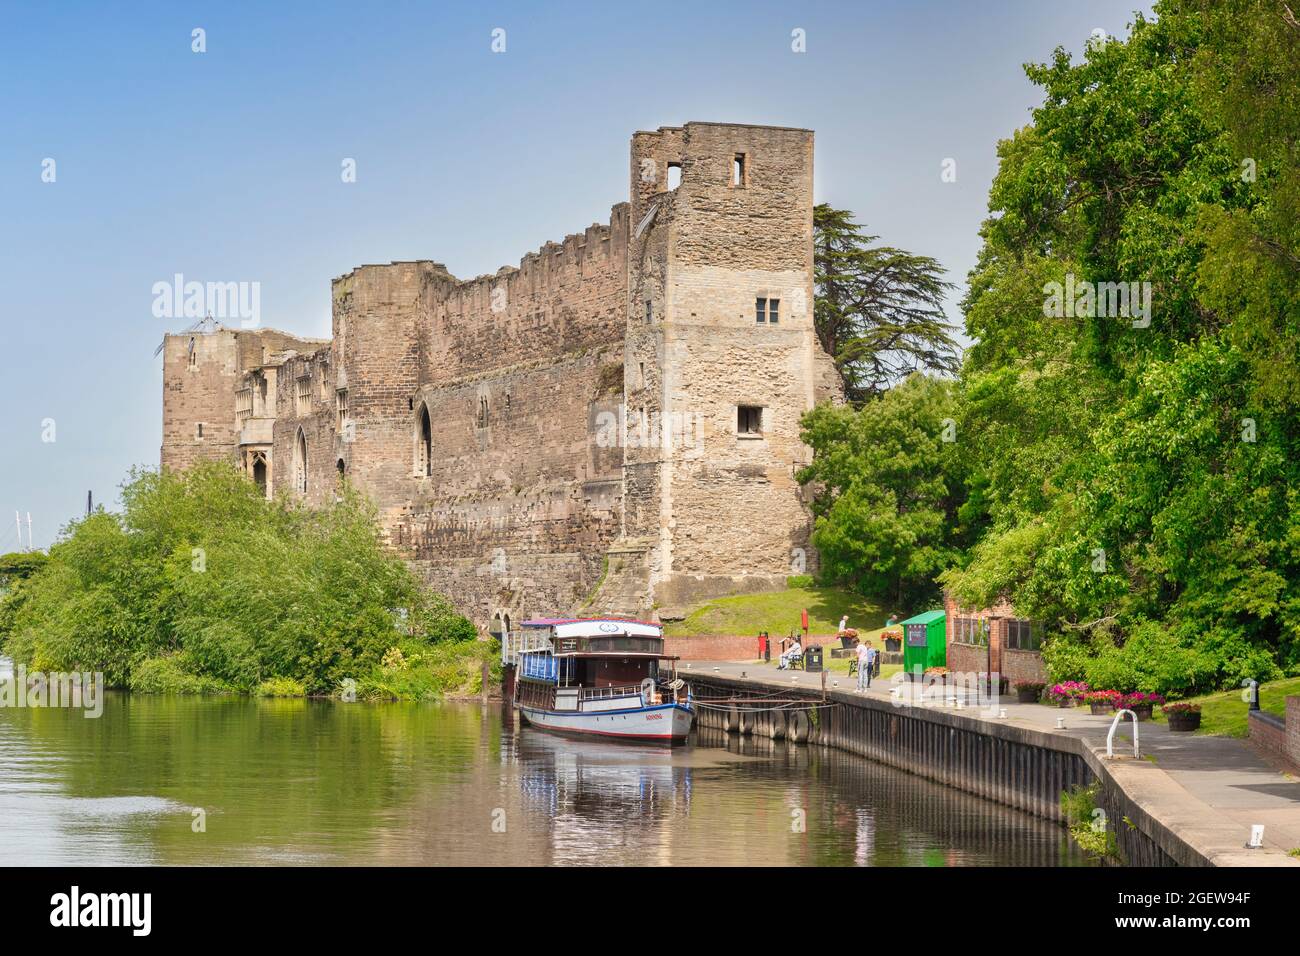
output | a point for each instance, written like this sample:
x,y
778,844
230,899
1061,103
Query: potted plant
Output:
x,y
1029,691
1183,716
1101,701
893,641
1067,693
1141,704
937,675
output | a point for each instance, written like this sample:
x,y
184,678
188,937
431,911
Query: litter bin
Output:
x,y
812,659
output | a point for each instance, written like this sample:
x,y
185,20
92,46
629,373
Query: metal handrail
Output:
x,y
1110,737
607,693
514,643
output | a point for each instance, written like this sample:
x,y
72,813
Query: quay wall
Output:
x,y
1013,766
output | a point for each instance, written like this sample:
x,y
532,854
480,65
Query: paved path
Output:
x,y
1209,790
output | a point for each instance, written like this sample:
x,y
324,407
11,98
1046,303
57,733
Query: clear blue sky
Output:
x,y
225,165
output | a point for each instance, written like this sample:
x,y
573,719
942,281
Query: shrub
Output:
x,y
281,687
167,675
201,583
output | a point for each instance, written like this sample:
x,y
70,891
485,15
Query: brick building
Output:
x,y
993,640
611,426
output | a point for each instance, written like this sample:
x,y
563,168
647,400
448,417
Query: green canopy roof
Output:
x,y
926,617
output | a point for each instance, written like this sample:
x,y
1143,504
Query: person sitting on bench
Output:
x,y
794,651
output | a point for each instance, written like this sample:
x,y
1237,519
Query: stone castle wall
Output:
x,y
581,449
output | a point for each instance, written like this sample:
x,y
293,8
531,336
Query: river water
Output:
x,y
183,780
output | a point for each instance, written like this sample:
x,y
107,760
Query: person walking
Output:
x,y
872,663
864,665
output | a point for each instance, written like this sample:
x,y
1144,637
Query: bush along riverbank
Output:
x,y
200,585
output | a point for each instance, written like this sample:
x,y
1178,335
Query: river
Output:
x,y
186,780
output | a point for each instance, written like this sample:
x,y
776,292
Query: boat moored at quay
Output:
x,y
601,677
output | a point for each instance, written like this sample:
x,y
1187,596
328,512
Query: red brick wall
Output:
x,y
1011,664
1269,734
717,647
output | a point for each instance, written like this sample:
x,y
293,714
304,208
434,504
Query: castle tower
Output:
x,y
721,359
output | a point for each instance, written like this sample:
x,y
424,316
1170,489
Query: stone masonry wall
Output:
x,y
582,403
730,513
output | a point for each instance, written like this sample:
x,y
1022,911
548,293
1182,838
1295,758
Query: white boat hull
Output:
x,y
664,723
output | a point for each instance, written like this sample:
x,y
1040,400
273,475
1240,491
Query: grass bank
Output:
x,y
778,613
1224,713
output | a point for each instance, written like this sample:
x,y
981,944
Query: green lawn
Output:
x,y
1224,713
777,612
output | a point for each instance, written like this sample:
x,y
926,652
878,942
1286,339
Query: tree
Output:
x,y
879,310
889,490
203,581
1141,480
19,565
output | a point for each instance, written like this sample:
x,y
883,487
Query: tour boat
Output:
x,y
601,678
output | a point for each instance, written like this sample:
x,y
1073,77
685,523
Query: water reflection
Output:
x,y
291,781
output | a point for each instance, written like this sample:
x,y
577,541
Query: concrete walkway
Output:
x,y
1208,790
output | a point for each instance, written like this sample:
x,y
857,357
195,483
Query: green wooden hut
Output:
x,y
925,641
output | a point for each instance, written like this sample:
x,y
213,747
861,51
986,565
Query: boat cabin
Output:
x,y
589,666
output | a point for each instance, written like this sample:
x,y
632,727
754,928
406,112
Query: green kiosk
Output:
x,y
925,642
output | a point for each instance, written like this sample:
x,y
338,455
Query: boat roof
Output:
x,y
597,626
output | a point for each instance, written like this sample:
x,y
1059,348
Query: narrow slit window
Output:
x,y
649,311
738,170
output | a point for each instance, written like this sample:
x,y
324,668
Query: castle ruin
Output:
x,y
611,427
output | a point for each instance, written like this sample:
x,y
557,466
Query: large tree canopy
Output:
x,y
1125,467
878,310
889,490
202,581
1141,480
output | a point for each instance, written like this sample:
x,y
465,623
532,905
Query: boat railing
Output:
x,y
514,643
608,693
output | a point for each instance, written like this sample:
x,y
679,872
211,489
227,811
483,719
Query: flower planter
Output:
x,y
1143,711
1102,707
1064,703
1185,721
1026,695
893,646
